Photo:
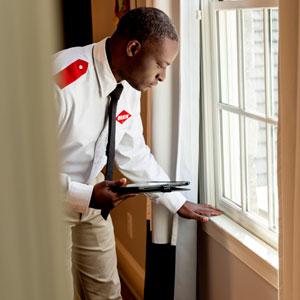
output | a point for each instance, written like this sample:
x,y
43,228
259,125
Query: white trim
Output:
x,y
130,271
252,251
244,4
248,220
209,91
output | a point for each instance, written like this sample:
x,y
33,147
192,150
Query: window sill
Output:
x,y
256,254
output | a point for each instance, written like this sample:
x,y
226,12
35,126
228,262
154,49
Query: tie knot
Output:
x,y
116,93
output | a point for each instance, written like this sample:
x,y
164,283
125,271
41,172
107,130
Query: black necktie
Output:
x,y
110,148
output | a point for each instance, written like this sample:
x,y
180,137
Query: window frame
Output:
x,y
212,171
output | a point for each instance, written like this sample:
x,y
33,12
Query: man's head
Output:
x,y
143,45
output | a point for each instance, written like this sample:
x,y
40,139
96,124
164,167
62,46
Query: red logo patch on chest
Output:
x,y
123,116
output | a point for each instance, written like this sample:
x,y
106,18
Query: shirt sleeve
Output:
x,y
135,160
77,195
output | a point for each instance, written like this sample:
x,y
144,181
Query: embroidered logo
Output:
x,y
123,116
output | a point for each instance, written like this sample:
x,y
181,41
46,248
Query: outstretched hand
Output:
x,y
198,212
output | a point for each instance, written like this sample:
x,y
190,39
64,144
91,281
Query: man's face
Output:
x,y
148,66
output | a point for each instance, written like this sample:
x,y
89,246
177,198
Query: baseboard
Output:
x,y
130,271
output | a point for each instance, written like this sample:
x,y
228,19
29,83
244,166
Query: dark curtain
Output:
x,y
77,23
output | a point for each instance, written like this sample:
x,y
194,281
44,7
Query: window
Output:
x,y
240,51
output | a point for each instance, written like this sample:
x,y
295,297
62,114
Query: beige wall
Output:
x,y
102,18
32,265
225,277
136,245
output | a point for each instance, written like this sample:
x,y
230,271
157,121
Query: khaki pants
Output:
x,y
92,257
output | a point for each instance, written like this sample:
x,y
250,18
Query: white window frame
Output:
x,y
210,114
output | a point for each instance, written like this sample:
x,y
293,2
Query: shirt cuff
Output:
x,y
172,201
79,196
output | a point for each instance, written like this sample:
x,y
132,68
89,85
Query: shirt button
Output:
x,y
80,67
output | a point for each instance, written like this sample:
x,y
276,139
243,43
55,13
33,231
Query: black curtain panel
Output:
x,y
160,270
77,22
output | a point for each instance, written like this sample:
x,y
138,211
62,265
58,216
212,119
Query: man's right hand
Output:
x,y
104,197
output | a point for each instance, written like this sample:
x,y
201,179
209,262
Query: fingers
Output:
x,y
200,218
211,212
118,196
199,212
122,181
207,205
121,198
207,209
117,202
125,196
203,215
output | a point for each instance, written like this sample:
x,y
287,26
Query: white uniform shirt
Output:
x,y
84,81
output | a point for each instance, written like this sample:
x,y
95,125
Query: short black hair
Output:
x,y
145,23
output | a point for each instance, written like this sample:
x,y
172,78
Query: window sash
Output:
x,y
243,4
239,214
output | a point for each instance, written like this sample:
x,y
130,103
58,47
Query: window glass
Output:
x,y
274,61
228,57
231,157
257,169
254,60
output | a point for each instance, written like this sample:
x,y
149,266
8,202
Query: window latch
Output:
x,y
199,15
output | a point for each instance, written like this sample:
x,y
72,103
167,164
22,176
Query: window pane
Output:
x,y
274,176
274,61
256,169
254,61
228,56
231,160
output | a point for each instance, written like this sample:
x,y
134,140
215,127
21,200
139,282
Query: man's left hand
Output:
x,y
198,212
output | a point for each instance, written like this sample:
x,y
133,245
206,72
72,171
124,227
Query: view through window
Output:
x,y
246,113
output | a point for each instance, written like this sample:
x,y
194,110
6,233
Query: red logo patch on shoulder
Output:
x,y
123,116
71,73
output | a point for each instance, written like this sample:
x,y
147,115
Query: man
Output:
x,y
144,44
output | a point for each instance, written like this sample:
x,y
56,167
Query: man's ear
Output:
x,y
133,47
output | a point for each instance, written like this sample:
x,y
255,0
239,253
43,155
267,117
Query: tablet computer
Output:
x,y
152,187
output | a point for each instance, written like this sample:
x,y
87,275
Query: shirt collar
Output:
x,y
106,78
